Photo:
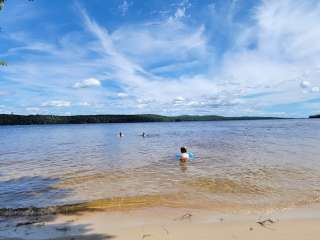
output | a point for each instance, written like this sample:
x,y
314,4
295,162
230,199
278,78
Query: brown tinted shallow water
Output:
x,y
247,165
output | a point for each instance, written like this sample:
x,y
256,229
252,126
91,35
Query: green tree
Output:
x,y
1,4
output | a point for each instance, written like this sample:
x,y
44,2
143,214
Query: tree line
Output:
x,y
13,119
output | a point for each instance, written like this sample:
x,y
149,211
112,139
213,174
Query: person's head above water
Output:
x,y
183,149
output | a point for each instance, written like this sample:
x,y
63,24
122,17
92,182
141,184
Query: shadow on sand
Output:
x,y
45,228
31,223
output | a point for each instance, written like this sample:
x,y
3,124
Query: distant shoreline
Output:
x,y
13,119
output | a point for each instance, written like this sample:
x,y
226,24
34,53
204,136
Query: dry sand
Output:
x,y
165,223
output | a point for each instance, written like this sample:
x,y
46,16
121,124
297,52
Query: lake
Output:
x,y
253,165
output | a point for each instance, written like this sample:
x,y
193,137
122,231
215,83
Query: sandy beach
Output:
x,y
167,223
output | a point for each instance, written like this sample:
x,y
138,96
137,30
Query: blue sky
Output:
x,y
232,58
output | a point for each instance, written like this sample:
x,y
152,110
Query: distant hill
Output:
x,y
315,116
12,119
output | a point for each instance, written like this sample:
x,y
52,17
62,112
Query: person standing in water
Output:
x,y
120,134
184,156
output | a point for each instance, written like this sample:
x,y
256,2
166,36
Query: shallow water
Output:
x,y
237,165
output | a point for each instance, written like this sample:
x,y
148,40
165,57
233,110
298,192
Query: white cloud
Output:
x,y
315,89
124,7
84,104
179,100
282,54
180,13
122,94
163,42
90,82
305,84
33,110
69,62
56,103
33,46
125,54
173,65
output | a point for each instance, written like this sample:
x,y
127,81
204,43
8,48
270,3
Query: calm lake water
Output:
x,y
237,165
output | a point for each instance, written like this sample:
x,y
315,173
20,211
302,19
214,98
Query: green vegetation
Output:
x,y
1,4
12,119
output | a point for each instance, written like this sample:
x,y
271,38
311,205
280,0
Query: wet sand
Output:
x,y
167,223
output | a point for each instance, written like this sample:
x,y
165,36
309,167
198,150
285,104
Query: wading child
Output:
x,y
184,156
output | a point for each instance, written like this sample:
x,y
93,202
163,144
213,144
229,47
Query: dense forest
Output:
x,y
12,119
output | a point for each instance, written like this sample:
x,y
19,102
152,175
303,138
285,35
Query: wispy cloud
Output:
x,y
174,63
90,82
161,42
122,94
56,103
124,7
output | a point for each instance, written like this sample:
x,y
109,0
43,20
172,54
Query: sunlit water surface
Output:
x,y
237,165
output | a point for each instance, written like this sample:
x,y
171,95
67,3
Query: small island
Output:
x,y
13,119
315,116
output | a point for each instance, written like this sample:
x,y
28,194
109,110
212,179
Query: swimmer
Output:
x,y
184,156
143,134
120,134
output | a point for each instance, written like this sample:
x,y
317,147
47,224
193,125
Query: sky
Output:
x,y
221,57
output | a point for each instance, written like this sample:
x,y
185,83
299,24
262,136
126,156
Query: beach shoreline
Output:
x,y
166,223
